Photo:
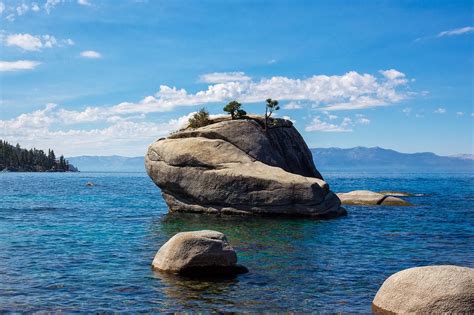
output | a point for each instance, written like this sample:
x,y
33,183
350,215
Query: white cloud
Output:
x,y
345,92
91,54
83,2
460,113
24,41
392,74
318,125
22,9
35,42
346,125
125,124
457,31
18,65
407,111
363,121
271,61
292,105
50,4
2,7
35,7
120,137
222,77
440,110
332,117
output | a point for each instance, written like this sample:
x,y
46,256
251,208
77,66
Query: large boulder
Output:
x,y
198,253
236,167
367,197
427,290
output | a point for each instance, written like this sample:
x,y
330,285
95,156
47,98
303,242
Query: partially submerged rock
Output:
x,y
397,193
367,197
198,253
236,167
427,290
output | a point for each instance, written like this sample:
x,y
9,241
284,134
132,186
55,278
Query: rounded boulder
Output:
x,y
198,253
427,290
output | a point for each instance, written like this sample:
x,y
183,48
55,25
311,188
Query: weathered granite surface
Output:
x,y
427,290
236,167
370,198
198,253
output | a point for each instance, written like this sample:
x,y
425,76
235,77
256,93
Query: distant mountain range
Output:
x,y
384,159
358,158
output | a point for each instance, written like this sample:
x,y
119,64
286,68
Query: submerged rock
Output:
x,y
198,253
236,167
367,197
427,290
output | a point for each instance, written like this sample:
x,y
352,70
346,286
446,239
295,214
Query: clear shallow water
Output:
x,y
68,247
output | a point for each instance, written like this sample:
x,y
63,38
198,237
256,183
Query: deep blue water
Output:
x,y
68,247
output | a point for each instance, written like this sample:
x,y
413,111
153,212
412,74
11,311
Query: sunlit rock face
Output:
x,y
238,167
427,290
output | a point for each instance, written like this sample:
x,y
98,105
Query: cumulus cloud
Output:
x,y
222,77
120,137
440,110
91,54
127,120
457,31
338,92
345,125
460,113
18,65
34,43
83,2
2,7
319,125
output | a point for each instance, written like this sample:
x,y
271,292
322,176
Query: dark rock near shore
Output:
x,y
236,167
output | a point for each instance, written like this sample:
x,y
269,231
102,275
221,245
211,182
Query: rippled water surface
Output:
x,y
68,247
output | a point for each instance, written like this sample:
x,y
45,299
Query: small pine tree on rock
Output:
x,y
233,108
270,107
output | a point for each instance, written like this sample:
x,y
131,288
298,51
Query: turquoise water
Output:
x,y
67,247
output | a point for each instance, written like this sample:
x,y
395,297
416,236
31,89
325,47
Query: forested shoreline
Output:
x,y
17,159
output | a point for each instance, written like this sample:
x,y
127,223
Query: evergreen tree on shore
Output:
x,y
14,158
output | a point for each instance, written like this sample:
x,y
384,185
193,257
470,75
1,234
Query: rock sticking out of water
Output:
x,y
198,254
238,167
367,197
427,290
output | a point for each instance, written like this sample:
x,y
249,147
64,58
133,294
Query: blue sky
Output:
x,y
109,77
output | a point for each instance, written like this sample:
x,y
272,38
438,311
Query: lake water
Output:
x,y
67,247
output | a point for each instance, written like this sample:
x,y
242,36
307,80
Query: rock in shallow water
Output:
x,y
236,167
198,253
427,290
367,197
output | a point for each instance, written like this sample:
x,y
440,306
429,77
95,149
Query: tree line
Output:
x,y
15,158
